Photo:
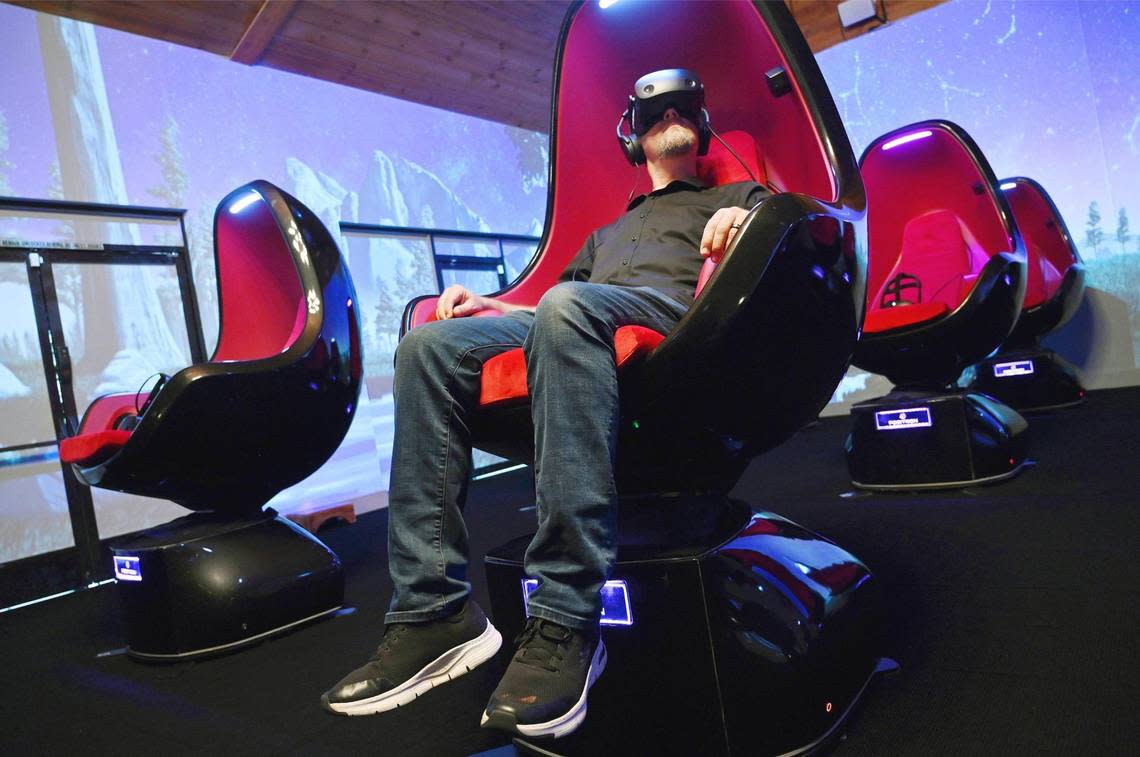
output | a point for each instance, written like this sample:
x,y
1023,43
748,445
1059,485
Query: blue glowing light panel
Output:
x,y
911,417
1014,368
127,568
615,601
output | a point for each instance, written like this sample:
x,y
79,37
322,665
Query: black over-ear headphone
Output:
x,y
654,94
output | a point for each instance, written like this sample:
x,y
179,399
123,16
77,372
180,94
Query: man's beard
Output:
x,y
675,142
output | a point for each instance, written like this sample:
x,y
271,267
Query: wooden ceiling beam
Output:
x,y
210,26
262,30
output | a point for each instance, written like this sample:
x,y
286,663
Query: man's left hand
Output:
x,y
720,230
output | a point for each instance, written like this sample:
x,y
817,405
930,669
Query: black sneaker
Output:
x,y
412,659
543,692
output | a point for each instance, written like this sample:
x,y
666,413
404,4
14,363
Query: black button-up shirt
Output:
x,y
657,241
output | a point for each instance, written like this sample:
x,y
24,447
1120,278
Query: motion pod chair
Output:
x,y
223,437
946,283
1023,374
729,631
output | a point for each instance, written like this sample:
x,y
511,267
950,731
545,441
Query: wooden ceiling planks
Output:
x,y
488,58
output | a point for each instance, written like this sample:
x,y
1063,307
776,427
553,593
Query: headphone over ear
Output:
x,y
654,94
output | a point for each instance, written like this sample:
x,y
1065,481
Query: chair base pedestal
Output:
x,y
750,635
1029,380
930,440
210,583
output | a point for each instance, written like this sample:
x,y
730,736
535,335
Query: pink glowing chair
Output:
x,y
1022,373
945,288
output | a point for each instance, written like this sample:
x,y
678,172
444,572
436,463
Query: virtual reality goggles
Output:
x,y
655,93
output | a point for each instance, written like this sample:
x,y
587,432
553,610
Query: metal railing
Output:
x,y
444,262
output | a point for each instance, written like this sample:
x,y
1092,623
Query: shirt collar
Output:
x,y
677,185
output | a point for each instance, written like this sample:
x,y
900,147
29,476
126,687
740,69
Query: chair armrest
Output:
x,y
105,412
888,319
421,310
87,450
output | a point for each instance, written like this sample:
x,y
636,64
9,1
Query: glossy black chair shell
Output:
x,y
228,436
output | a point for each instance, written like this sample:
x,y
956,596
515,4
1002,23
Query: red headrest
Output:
x,y
934,243
935,250
720,167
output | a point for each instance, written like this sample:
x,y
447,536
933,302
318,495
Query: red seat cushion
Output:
x,y
92,449
504,376
903,315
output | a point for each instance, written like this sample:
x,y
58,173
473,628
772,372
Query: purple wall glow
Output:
x,y
1047,90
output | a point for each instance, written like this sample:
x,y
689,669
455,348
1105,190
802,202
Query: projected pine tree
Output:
x,y
533,157
1094,235
126,333
172,191
1122,229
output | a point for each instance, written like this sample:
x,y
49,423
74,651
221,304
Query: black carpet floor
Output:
x,y
1013,616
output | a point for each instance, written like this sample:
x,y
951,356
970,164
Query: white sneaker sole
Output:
x,y
567,723
447,667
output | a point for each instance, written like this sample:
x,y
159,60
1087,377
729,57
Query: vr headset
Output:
x,y
655,93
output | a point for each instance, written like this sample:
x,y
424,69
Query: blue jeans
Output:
x,y
573,387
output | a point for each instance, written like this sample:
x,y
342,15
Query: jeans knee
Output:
x,y
562,302
418,348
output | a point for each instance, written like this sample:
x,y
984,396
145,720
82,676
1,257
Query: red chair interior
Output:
x,y
1050,253
933,216
263,309
606,50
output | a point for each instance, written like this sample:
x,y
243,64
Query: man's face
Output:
x,y
672,136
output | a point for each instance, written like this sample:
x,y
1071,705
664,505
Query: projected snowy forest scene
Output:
x,y
92,114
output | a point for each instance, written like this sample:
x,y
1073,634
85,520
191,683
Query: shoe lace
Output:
x,y
391,637
542,644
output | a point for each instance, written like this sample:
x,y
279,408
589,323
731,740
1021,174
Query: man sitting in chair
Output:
x,y
641,270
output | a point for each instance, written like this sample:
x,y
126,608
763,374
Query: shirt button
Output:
x,y
625,261
633,239
642,216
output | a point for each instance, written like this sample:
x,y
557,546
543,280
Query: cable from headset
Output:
x,y
740,160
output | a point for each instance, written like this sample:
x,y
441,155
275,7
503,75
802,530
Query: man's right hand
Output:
x,y
458,301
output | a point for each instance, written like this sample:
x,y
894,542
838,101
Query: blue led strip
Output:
x,y
1015,368
911,417
615,601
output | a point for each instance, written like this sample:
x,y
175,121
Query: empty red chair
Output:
x,y
945,288
1022,373
223,437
